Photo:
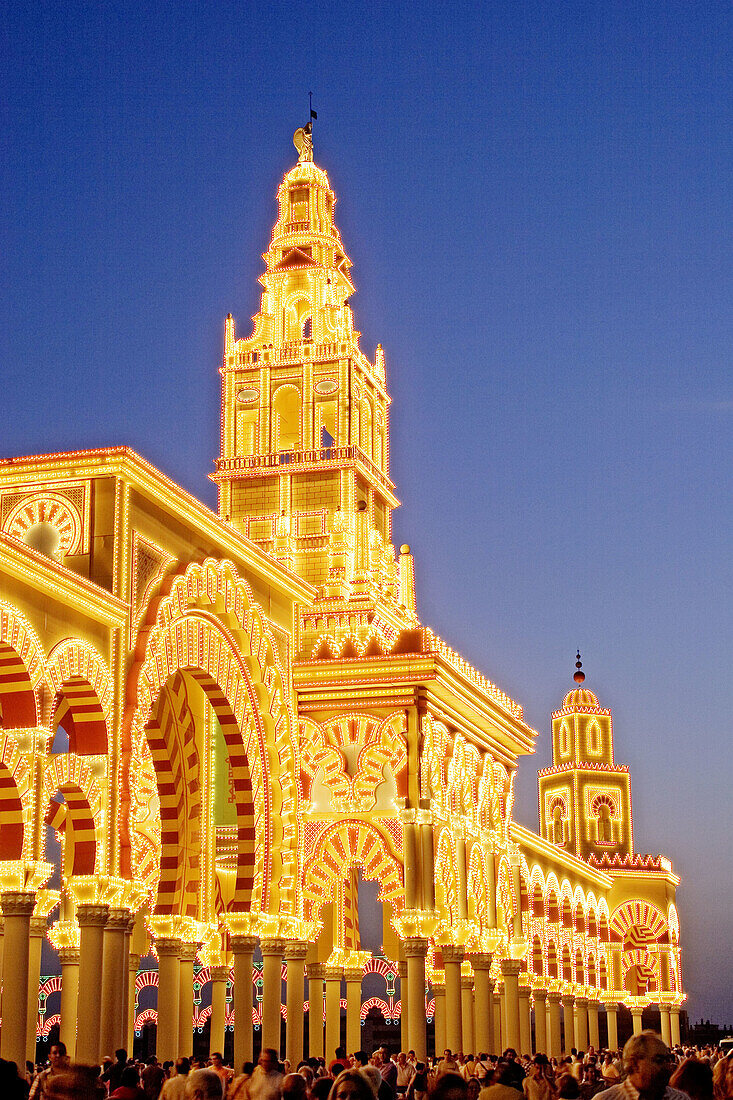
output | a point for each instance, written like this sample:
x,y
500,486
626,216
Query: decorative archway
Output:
x,y
21,670
347,844
209,628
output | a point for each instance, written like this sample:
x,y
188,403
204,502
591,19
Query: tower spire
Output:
x,y
579,676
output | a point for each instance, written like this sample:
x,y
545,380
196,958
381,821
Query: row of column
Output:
x,y
471,1015
98,996
96,974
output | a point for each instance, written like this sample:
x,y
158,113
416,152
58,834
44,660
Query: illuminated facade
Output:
x,y
228,721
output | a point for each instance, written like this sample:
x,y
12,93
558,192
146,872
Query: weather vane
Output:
x,y
303,136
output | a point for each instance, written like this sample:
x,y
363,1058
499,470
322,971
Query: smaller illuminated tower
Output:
x,y
585,797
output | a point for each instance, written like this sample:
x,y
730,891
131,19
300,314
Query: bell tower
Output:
x,y
304,467
585,797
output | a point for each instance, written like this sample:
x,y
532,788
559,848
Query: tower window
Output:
x,y
308,329
299,204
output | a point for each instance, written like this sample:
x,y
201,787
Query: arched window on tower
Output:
x,y
308,328
286,419
366,427
557,821
604,811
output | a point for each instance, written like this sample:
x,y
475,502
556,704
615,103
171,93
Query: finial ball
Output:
x,y
404,549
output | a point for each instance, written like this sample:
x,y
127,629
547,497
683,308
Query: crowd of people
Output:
x,y
646,1070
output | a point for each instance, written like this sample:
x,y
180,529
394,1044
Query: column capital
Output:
x,y
452,953
90,915
189,950
525,992
553,997
244,944
481,960
39,926
315,971
636,1010
581,1002
69,956
353,974
17,903
219,973
168,945
332,973
492,985
273,945
296,950
610,1006
675,1009
568,1000
118,920
414,947
134,962
467,981
539,995
511,968
402,968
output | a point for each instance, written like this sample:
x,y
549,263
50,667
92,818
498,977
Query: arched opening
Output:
x,y
307,333
553,913
536,955
11,817
79,714
538,905
567,914
286,419
591,970
579,968
17,699
367,418
70,817
567,970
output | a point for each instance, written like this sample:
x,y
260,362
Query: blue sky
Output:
x,y
536,198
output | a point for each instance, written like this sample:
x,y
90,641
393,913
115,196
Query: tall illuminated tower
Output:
x,y
304,468
585,797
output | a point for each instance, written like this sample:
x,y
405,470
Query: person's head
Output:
x,y
695,1078
723,1079
130,1078
503,1074
401,1058
248,1069
121,1055
203,1084
57,1054
269,1060
510,1055
361,1058
336,1068
307,1074
646,1061
183,1066
568,1087
449,1086
321,1088
75,1083
447,1053
340,1053
293,1087
216,1060
372,1075
474,1088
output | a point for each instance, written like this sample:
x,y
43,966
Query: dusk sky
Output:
x,y
537,201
